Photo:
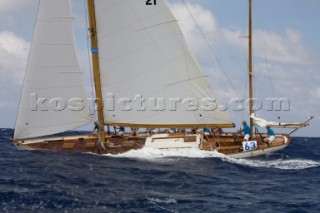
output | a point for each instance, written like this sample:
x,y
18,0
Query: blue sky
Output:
x,y
286,47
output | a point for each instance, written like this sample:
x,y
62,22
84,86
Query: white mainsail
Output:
x,y
142,52
53,85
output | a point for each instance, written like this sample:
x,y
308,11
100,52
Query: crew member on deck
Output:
x,y
108,129
121,131
217,132
134,131
173,130
206,131
271,134
155,130
96,127
246,131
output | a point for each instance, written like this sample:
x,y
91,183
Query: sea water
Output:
x,y
151,180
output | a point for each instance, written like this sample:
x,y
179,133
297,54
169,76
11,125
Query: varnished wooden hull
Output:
x,y
229,144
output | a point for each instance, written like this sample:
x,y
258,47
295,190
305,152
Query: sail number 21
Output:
x,y
150,2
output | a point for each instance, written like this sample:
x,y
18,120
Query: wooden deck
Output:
x,y
228,144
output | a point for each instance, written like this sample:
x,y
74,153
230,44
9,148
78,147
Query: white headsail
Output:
x,y
143,54
53,85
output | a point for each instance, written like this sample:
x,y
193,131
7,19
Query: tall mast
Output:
x,y
96,68
250,66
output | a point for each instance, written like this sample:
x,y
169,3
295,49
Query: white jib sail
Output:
x,y
143,54
53,97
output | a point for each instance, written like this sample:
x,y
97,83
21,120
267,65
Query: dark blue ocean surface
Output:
x,y
155,181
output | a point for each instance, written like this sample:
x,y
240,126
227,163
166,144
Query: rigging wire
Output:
x,y
212,52
211,49
254,89
245,58
266,60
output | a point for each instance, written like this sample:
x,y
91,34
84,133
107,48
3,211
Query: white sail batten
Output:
x,y
53,98
142,52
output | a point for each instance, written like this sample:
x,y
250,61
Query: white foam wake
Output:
x,y
162,201
151,154
292,164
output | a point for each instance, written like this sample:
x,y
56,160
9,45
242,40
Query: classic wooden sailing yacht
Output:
x,y
138,50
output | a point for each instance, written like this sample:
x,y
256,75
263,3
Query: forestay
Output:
x,y
143,54
53,83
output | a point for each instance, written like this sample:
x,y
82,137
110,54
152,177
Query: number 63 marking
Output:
x,y
250,146
149,2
